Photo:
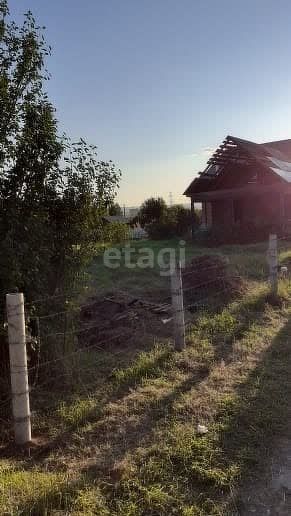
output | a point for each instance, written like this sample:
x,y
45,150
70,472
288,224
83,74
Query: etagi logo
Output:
x,y
145,258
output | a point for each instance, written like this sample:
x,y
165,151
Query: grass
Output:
x,y
123,441
248,260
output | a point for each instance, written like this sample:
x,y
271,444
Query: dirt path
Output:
x,y
271,495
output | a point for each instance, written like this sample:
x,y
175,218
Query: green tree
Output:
x,y
88,187
29,151
52,191
152,211
115,209
181,219
175,222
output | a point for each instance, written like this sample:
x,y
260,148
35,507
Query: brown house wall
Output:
x,y
222,212
261,209
255,209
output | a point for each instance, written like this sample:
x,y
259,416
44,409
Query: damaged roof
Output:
x,y
273,157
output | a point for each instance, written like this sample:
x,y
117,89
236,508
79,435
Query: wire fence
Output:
x,y
62,343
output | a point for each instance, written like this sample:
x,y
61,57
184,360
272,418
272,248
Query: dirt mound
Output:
x,y
209,275
107,319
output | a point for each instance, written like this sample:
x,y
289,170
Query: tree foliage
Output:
x,y
115,209
52,191
166,222
116,233
152,211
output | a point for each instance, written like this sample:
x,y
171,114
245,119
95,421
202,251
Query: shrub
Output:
x,y
160,230
176,221
115,232
153,210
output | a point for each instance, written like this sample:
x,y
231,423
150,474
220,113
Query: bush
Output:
x,y
160,230
153,210
176,221
181,219
115,232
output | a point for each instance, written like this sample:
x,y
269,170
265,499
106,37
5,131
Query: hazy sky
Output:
x,y
156,84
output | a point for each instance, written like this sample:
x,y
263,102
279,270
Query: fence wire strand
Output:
x,y
51,331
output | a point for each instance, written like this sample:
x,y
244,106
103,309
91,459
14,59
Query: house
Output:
x,y
245,183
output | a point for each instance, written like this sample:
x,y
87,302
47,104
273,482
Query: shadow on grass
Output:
x,y
260,413
240,443
134,433
120,374
149,414
224,327
73,406
246,428
140,432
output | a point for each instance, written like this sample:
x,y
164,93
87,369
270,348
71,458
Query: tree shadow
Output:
x,y
113,389
118,389
250,423
260,415
225,328
107,467
137,433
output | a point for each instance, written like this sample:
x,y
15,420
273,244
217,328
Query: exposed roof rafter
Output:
x,y
236,154
230,152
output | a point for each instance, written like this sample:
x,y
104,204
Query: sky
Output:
x,y
158,84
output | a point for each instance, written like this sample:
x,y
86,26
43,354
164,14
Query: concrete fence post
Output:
x,y
178,306
18,368
273,263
